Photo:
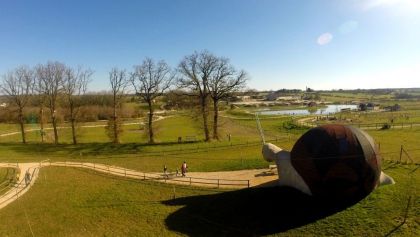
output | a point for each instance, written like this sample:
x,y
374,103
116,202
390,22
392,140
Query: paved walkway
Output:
x,y
224,179
21,187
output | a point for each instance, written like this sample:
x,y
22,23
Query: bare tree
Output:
x,y
40,101
150,80
221,84
74,86
196,70
18,85
118,81
50,78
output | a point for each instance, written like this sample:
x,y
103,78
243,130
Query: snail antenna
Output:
x,y
257,119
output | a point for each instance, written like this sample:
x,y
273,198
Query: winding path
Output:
x,y
229,179
83,126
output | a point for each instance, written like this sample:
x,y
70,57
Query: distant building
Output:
x,y
243,98
368,106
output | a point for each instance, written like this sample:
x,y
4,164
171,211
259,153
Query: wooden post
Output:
x,y
190,181
248,183
218,183
144,176
401,150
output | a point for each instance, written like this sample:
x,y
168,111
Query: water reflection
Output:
x,y
330,109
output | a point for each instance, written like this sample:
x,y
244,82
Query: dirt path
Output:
x,y
223,179
84,126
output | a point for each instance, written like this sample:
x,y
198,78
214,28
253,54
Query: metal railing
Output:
x,y
24,183
161,177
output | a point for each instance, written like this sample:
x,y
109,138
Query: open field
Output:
x,y
86,203
68,201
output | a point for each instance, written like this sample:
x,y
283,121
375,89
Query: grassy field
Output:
x,y
7,175
74,202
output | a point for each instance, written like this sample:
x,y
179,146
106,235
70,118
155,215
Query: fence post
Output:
x,y
190,181
144,176
125,172
401,150
218,183
248,183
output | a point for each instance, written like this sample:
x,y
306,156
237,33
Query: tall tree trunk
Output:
x,y
54,123
73,130
151,134
204,111
215,119
73,124
41,122
22,125
116,138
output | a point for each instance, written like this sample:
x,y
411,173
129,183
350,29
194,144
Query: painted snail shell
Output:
x,y
333,161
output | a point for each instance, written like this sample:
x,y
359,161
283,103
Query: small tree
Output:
x,y
74,86
195,71
150,80
18,85
221,84
118,81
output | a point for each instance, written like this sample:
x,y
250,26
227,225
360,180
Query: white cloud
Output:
x,y
325,38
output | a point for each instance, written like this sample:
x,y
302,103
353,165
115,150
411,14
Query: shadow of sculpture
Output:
x,y
248,212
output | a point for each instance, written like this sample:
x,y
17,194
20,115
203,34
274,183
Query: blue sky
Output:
x,y
322,44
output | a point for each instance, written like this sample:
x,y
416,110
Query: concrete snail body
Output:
x,y
332,161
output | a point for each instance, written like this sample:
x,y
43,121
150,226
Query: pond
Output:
x,y
330,109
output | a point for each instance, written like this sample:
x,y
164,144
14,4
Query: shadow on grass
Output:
x,y
85,148
248,212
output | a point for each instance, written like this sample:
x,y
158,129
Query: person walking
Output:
x,y
165,170
184,168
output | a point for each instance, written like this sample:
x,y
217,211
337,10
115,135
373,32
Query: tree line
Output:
x,y
201,76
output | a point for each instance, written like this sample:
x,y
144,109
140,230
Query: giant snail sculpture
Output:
x,y
338,162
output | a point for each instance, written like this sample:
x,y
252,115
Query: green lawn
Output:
x,y
67,201
7,175
76,202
